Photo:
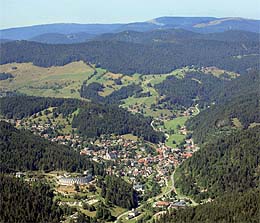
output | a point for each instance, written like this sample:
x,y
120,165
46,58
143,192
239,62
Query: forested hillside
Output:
x,y
118,192
130,58
193,88
237,207
18,107
92,120
58,38
226,168
238,112
22,202
175,35
91,91
95,120
22,151
224,164
236,105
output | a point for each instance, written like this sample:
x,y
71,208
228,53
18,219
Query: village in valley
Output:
x,y
148,167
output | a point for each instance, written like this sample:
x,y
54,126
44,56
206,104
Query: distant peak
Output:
x,y
154,21
218,21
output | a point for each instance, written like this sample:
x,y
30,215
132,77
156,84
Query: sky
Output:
x,y
17,13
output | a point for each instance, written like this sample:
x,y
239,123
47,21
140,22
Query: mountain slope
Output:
x,y
33,203
92,120
23,151
197,24
224,24
26,33
223,165
57,38
235,207
178,35
130,58
236,105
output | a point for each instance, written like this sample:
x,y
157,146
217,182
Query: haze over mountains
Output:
x,y
75,33
162,116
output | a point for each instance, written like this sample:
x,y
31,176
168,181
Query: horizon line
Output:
x,y
119,23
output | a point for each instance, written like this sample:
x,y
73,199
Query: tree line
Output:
x,y
238,100
22,202
96,120
130,58
118,192
22,151
91,91
93,120
224,164
235,207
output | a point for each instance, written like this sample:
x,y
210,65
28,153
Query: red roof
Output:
x,y
162,203
187,155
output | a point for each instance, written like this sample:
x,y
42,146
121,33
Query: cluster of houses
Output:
x,y
110,149
130,158
48,131
133,161
170,204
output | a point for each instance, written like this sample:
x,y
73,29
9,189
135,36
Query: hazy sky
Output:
x,y
15,13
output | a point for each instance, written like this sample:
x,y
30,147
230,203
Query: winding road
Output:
x,y
150,200
172,188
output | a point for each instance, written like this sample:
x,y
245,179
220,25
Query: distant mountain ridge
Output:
x,y
58,38
177,35
195,24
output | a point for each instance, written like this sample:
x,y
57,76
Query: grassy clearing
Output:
x,y
173,125
107,79
155,79
63,124
116,211
143,104
237,123
130,137
63,81
218,72
252,125
88,213
174,140
113,76
134,220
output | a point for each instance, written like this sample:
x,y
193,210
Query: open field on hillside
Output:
x,y
174,125
62,124
64,81
218,72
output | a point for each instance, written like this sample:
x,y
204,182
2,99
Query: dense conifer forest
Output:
x,y
22,202
91,91
237,207
130,58
118,192
21,106
23,151
93,119
222,165
191,89
237,101
210,122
